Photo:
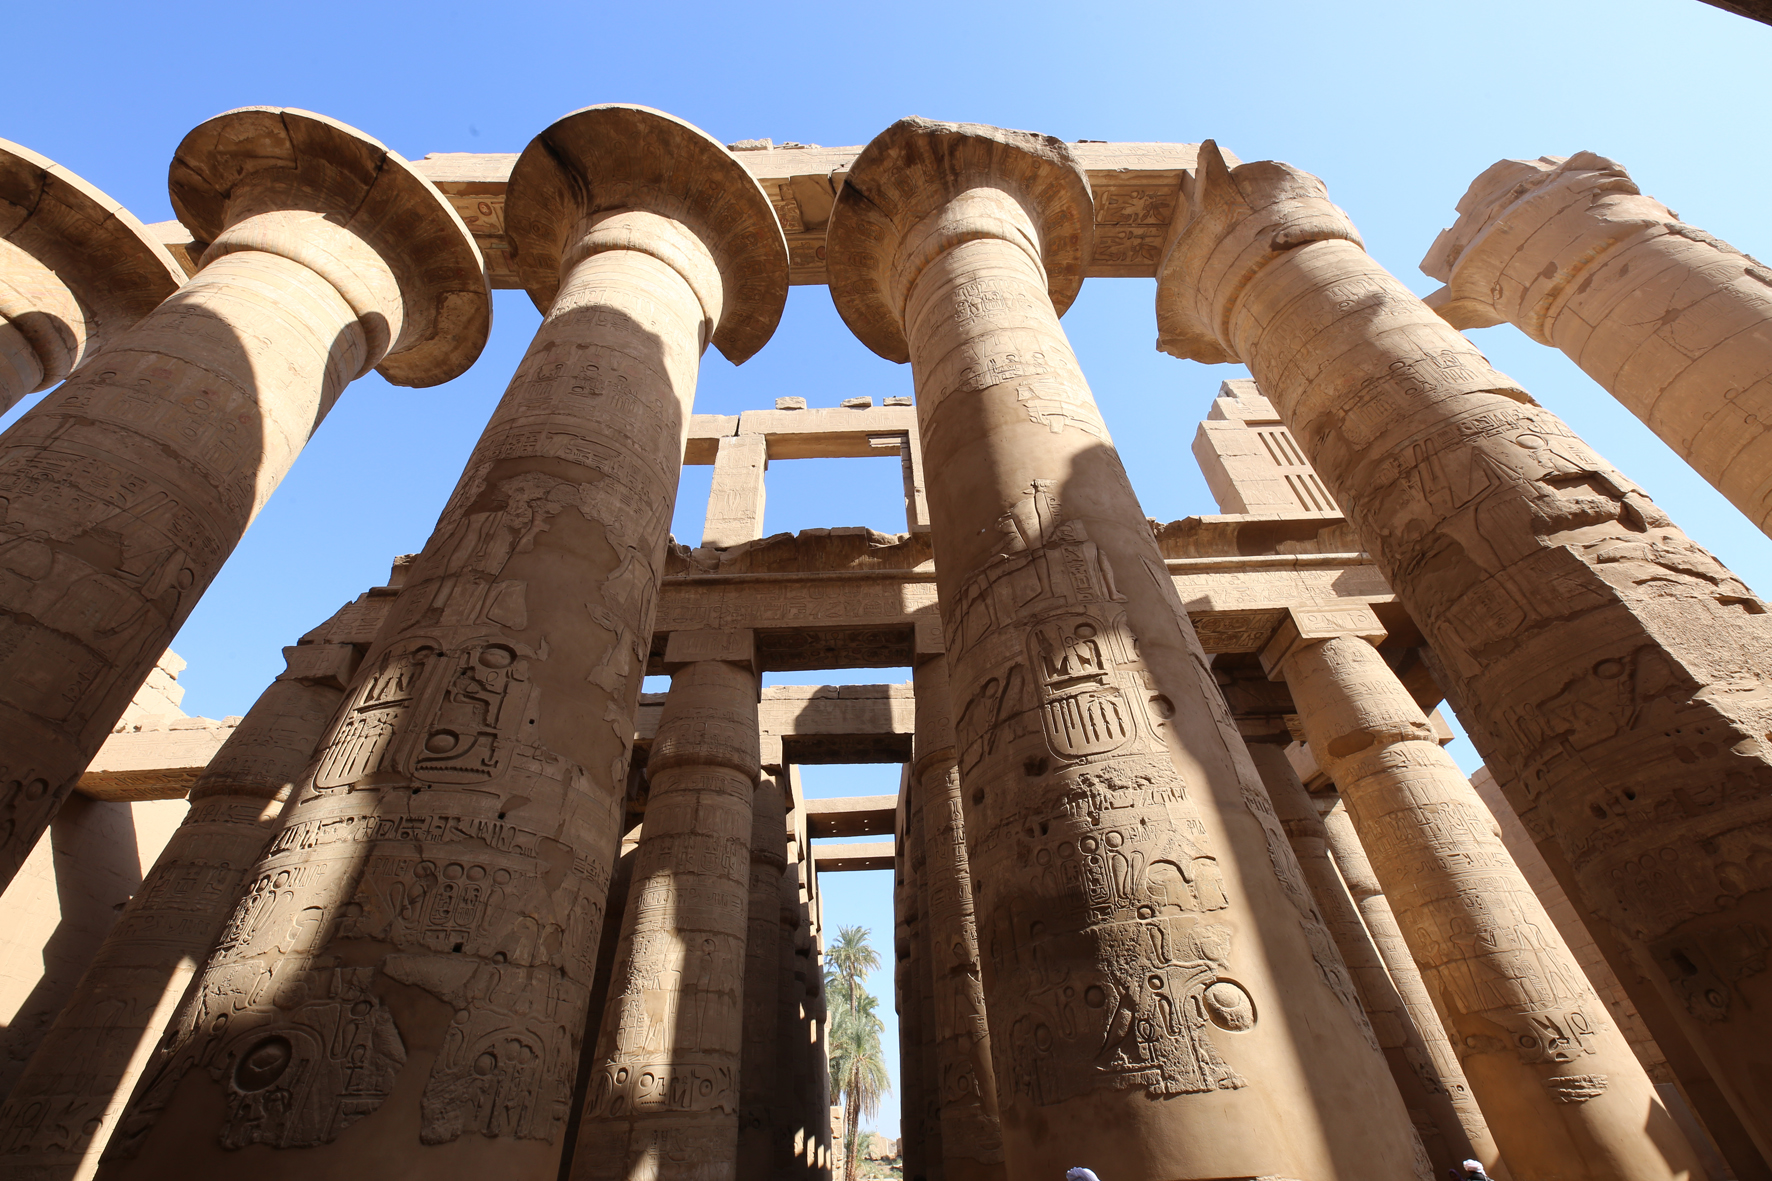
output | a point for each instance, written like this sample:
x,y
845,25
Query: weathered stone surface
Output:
x,y
129,486
1250,460
63,1110
762,1099
1675,322
964,1082
76,270
1091,734
450,848
1440,1106
1563,1093
665,1091
1610,667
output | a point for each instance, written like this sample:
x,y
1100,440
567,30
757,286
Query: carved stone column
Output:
x,y
1611,671
1405,976
964,1081
1674,322
76,270
1563,1092
927,1115
762,1105
1440,1105
799,1150
1148,935
910,969
665,1089
127,488
420,939
56,1121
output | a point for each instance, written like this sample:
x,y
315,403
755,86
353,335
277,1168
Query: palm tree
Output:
x,y
852,958
858,1066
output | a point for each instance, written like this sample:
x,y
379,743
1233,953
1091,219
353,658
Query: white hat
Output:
x,y
1079,1175
1473,1164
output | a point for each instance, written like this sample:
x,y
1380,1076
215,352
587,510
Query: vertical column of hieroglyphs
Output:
x,y
58,1117
1120,856
1675,322
964,1082
127,488
1611,670
762,1105
1434,1089
1562,1090
420,938
664,1089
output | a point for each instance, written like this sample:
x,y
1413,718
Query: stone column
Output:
x,y
56,1121
735,504
1405,976
1672,321
797,1152
1563,1092
126,489
909,970
76,270
1611,671
965,1083
928,1116
762,1105
1147,935
665,1090
1440,1105
420,939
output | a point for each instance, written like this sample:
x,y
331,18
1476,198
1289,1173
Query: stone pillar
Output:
x,y
921,991
1672,321
793,1065
59,1115
1433,1088
665,1091
421,935
735,505
909,970
1608,669
76,270
1563,1092
964,1082
127,488
1147,935
762,1105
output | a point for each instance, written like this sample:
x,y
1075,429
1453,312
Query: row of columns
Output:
x,y
415,950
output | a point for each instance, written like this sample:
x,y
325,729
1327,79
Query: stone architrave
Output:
x,y
420,938
762,1106
665,1089
1448,1120
1148,934
1563,1092
1387,937
76,270
58,1117
1610,671
1672,321
964,1082
127,488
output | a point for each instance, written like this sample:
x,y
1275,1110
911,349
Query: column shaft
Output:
x,y
1153,967
1672,321
922,989
910,969
1610,670
1562,1090
60,1114
665,1093
1448,1120
965,1082
762,1099
126,489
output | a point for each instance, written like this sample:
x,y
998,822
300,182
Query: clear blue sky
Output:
x,y
1397,105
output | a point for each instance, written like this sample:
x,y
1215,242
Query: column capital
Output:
x,y
614,158
107,261
1238,220
1526,230
883,231
256,161
1304,626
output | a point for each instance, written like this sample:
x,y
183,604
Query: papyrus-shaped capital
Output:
x,y
1238,220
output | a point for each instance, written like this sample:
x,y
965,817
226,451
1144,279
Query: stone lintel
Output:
x,y
851,816
1306,625
158,761
728,645
861,855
